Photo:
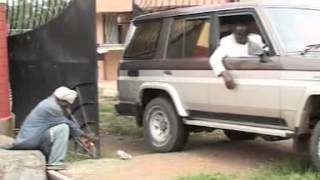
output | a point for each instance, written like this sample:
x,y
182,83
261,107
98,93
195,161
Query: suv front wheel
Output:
x,y
164,129
315,146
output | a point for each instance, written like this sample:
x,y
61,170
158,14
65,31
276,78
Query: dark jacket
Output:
x,y
34,133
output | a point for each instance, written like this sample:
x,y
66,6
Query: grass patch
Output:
x,y
284,170
74,156
106,107
287,170
114,124
119,125
216,176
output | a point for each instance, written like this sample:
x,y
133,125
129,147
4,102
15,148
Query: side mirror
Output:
x,y
254,49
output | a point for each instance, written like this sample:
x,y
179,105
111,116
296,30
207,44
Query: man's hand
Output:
x,y
87,141
228,80
66,111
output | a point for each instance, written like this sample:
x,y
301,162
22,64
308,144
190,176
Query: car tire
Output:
x,y
315,145
239,136
163,128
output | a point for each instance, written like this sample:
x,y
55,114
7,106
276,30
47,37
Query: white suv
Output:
x,y
166,81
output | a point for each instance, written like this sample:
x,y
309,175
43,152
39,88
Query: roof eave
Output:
x,y
214,7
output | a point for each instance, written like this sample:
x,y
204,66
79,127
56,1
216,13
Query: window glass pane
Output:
x,y
189,38
111,31
197,38
175,47
228,23
144,41
296,28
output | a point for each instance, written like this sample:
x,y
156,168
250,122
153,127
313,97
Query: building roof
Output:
x,y
160,5
216,7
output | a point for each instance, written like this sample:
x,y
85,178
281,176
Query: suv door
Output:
x,y
140,57
186,64
257,96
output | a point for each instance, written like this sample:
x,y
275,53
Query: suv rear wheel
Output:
x,y
239,136
164,129
315,146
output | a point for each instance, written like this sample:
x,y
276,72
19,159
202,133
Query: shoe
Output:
x,y
54,167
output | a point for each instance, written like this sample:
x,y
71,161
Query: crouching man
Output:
x,y
47,128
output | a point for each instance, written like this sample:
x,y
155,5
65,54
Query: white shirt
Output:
x,y
229,47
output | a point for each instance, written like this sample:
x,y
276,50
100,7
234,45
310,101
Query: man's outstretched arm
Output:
x,y
76,132
216,62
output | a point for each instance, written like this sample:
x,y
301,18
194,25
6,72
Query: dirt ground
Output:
x,y
202,154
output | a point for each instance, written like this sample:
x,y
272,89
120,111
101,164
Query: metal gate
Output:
x,y
53,43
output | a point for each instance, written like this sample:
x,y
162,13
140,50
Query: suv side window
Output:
x,y
143,44
176,42
227,23
189,38
197,38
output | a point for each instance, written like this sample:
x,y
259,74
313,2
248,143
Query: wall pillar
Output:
x,y
6,125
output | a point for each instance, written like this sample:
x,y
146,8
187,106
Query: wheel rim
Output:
x,y
159,127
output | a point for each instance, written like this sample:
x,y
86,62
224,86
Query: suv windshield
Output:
x,y
297,28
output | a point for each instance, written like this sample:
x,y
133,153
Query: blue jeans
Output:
x,y
59,137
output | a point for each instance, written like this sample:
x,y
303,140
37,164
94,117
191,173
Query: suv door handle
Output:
x,y
167,72
133,73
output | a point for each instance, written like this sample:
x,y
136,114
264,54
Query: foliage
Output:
x,y
23,15
112,123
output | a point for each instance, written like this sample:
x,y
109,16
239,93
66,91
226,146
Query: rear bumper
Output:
x,y
126,109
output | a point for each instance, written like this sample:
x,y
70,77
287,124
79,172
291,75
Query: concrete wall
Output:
x,y
111,64
4,77
99,24
5,111
108,67
101,71
114,5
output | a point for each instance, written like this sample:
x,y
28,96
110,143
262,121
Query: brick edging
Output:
x,y
6,118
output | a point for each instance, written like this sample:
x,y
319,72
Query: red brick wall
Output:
x,y
4,78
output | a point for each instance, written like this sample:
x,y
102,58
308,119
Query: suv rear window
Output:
x,y
143,44
189,38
